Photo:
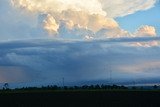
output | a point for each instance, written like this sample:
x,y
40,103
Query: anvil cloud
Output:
x,y
86,19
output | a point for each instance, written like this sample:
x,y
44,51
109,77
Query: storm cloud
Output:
x,y
48,61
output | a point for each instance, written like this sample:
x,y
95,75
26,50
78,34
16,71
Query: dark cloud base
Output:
x,y
42,62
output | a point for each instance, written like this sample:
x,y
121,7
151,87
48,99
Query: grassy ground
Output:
x,y
80,98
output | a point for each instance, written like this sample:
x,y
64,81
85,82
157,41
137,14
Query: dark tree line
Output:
x,y
84,87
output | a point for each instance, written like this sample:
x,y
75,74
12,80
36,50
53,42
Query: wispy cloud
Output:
x,y
120,8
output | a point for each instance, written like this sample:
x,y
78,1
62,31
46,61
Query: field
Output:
x,y
91,98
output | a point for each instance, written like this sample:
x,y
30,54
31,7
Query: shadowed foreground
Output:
x,y
81,99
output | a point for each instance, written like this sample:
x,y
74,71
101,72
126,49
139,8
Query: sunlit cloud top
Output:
x,y
70,19
86,19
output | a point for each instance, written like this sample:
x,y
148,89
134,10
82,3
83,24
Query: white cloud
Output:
x,y
146,31
120,8
50,25
80,13
58,6
73,20
81,19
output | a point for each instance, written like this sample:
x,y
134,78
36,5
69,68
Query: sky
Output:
x,y
152,17
84,42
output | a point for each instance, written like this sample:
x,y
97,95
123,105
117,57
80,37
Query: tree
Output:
x,y
97,87
155,86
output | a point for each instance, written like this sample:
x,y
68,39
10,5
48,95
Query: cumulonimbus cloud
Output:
x,y
80,13
87,19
